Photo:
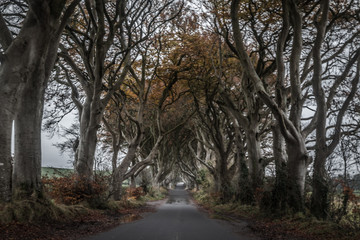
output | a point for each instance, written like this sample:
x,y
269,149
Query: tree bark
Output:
x,y
27,167
298,161
15,71
245,193
222,179
320,202
250,177
251,127
279,192
122,169
89,124
10,82
256,168
5,154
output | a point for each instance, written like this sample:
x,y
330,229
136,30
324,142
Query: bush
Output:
x,y
134,193
155,194
345,207
71,190
211,201
203,179
206,199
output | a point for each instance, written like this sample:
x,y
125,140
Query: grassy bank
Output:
x,y
299,226
41,218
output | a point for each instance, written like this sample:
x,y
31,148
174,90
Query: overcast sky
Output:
x,y
51,156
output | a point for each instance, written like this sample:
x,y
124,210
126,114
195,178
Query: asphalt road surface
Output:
x,y
177,219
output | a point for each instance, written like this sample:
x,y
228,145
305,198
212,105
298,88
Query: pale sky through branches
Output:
x,y
51,156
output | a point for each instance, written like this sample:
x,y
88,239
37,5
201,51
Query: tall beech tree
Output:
x,y
91,36
149,92
299,159
188,165
326,141
248,115
242,102
215,132
306,57
99,50
136,108
156,104
26,64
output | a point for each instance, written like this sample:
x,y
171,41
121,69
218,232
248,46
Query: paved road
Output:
x,y
176,219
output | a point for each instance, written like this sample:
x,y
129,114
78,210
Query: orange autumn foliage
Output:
x,y
72,189
134,193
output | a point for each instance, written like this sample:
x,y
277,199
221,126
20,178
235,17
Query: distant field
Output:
x,y
61,172
55,172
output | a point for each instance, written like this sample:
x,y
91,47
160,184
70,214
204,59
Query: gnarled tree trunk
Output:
x,y
245,193
279,192
90,119
256,169
27,167
222,178
298,161
123,168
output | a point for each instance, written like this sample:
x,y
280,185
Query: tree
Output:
x,y
90,37
148,94
241,102
299,159
26,65
103,36
136,90
215,127
323,148
306,60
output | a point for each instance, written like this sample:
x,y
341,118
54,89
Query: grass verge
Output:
x,y
41,218
299,226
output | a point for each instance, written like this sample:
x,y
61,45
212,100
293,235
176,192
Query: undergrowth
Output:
x,y
214,205
72,190
155,194
298,226
135,198
67,197
38,210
